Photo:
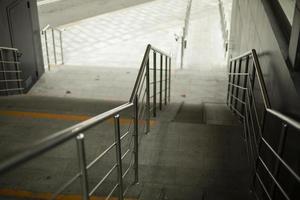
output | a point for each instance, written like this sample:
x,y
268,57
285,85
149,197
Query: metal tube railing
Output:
x,y
140,108
254,127
53,45
185,31
10,70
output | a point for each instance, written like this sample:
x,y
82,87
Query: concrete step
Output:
x,y
193,161
210,113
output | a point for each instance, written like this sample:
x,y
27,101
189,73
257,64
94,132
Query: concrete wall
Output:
x,y
252,27
19,28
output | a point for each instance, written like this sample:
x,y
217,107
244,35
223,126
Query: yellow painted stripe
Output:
x,y
38,115
64,117
47,195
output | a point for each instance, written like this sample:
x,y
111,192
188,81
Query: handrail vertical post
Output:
x,y
170,65
280,149
61,48
237,91
229,81
154,84
253,81
136,139
245,84
47,49
54,48
182,49
119,155
82,165
148,97
166,79
16,60
160,82
233,82
3,69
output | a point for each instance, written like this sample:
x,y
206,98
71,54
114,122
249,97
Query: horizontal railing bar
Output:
x,y
285,118
11,89
9,62
237,86
240,74
67,184
10,71
151,108
263,185
125,154
49,27
160,51
102,180
242,102
158,81
157,69
249,53
296,176
11,80
46,27
273,178
8,48
127,170
238,112
112,191
124,135
100,156
105,152
127,189
59,138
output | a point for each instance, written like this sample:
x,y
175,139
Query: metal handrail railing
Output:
x,y
140,107
52,43
185,30
241,99
223,24
10,71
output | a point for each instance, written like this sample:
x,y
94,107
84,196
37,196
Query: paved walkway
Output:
x,y
110,48
118,39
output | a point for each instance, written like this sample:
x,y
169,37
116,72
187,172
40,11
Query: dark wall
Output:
x,y
19,28
253,27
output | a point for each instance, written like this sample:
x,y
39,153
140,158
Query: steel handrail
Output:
x,y
48,26
140,74
245,112
142,69
64,135
263,89
77,132
54,45
9,48
59,138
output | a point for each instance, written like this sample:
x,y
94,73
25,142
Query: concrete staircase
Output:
x,y
195,152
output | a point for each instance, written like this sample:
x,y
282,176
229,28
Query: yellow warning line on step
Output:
x,y
47,195
64,117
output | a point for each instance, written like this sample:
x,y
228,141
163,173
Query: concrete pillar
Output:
x,y
294,46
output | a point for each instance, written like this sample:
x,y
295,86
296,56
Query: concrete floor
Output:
x,y
195,149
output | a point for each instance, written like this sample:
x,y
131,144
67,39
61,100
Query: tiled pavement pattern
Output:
x,y
203,78
118,39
